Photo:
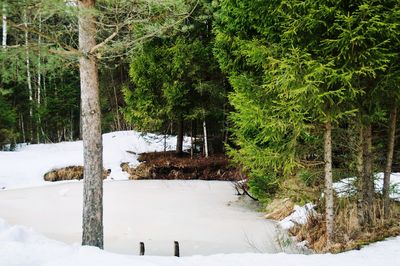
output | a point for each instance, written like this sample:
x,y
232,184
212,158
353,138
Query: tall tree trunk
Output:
x,y
328,182
28,76
91,130
179,139
367,179
205,138
389,161
4,27
39,83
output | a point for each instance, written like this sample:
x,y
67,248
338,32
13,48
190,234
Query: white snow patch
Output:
x,y
347,186
299,215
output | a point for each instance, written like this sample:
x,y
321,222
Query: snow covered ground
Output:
x,y
20,246
299,215
40,224
26,166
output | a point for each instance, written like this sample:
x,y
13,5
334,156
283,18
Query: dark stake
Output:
x,y
176,250
141,248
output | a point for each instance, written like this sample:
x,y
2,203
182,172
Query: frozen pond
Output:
x,y
206,217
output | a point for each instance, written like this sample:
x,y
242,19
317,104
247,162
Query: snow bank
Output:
x,y
20,246
298,216
347,186
26,166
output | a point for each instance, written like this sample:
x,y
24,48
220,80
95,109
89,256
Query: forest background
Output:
x,y
303,92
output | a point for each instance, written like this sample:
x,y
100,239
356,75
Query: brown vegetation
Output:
x,y
348,234
279,209
169,165
347,230
69,173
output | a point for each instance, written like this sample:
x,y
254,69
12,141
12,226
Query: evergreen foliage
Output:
x,y
179,74
295,65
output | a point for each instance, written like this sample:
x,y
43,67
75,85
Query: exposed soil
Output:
x,y
69,173
168,165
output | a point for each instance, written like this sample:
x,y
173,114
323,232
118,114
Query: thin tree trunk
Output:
x,y
179,139
328,182
4,27
389,161
91,130
39,83
205,138
22,128
191,140
368,180
360,174
71,134
116,105
28,76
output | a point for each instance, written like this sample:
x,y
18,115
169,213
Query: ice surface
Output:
x,y
204,216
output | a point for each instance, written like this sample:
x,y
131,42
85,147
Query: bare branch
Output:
x,y
103,43
68,49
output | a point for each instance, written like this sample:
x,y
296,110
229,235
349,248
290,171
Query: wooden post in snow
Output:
x,y
176,249
142,249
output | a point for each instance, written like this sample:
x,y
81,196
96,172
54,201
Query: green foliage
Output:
x,y
309,178
295,65
179,73
263,187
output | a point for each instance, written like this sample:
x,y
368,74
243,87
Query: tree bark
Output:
x,y
367,179
328,182
360,174
179,139
389,161
91,130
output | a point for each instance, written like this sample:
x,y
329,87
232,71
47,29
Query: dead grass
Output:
x,y
69,173
348,233
278,209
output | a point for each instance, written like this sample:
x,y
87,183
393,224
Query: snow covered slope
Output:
x,y
26,166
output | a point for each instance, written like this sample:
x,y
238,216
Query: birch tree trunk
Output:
x,y
328,182
39,83
205,139
28,76
389,161
4,27
91,130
